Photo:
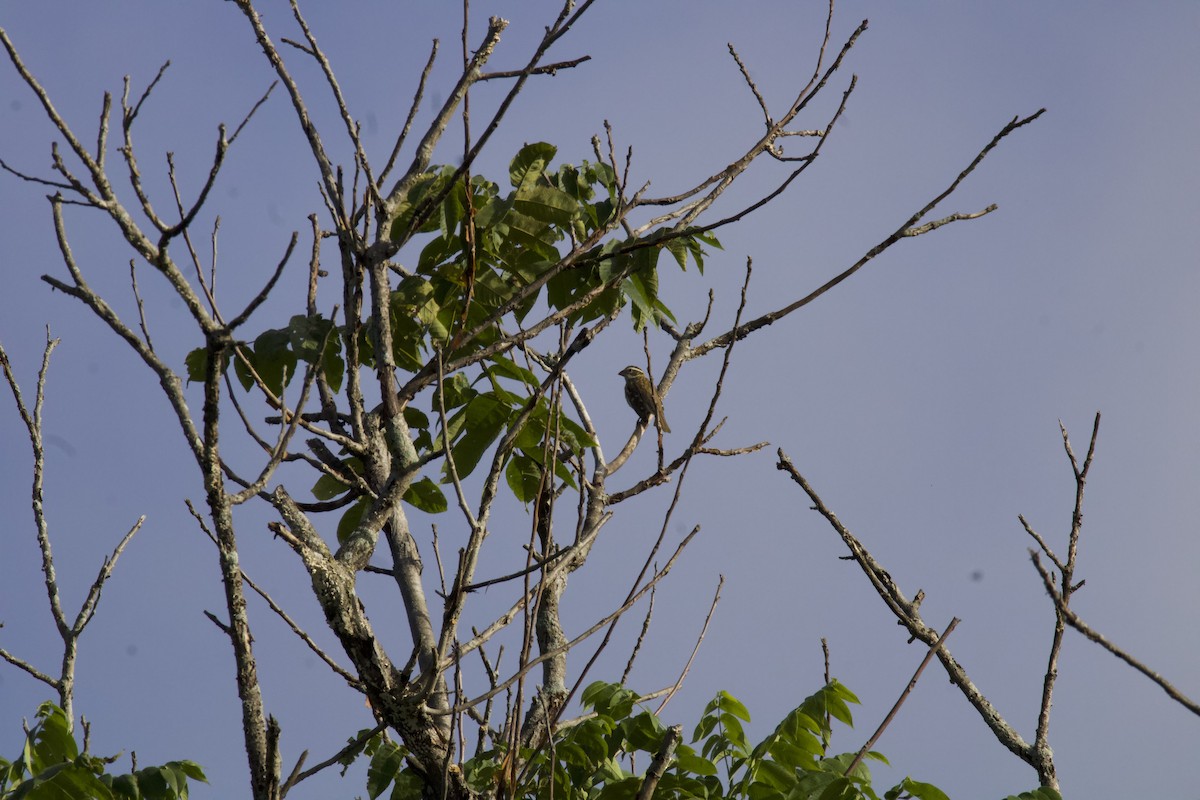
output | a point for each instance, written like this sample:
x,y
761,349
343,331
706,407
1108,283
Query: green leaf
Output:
x,y
642,288
678,248
51,737
409,786
64,780
241,368
385,764
643,731
196,363
524,476
922,791
530,162
546,204
839,711
457,391
333,366
602,174
452,210
776,776
688,761
427,186
569,180
308,336
840,788
316,341
274,359
533,234
408,341
730,704
415,418
426,496
124,786
484,419
801,750
328,487
623,789
439,251
57,770
1041,793
492,213
507,368
351,519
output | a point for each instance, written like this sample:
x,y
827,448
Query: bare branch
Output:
x,y
1041,542
360,155
433,134
301,634
44,98
354,746
712,608
1062,598
641,638
412,113
587,633
33,426
1076,622
906,614
69,633
887,720
33,179
328,178
33,671
901,232
253,110
88,609
261,297
722,180
753,88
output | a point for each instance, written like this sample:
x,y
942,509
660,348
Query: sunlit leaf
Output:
x,y
546,204
530,162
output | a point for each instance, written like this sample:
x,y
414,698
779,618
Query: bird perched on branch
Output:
x,y
642,398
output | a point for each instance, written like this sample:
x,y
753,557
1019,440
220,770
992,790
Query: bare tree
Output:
x,y
457,308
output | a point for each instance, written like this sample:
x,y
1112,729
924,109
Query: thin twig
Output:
x,y
724,339
1076,622
412,113
753,88
712,608
350,679
903,696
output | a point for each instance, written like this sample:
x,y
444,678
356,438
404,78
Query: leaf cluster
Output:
x,y
51,767
488,257
598,757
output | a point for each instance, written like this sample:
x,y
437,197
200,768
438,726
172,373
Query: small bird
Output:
x,y
641,396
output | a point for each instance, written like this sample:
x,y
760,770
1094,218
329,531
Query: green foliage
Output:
x,y
454,301
590,759
1042,793
51,767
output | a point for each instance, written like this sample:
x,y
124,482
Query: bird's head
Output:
x,y
632,372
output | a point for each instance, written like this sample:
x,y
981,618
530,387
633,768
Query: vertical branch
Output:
x,y
1045,762
263,776
70,633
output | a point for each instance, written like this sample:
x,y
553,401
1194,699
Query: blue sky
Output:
x,y
921,398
